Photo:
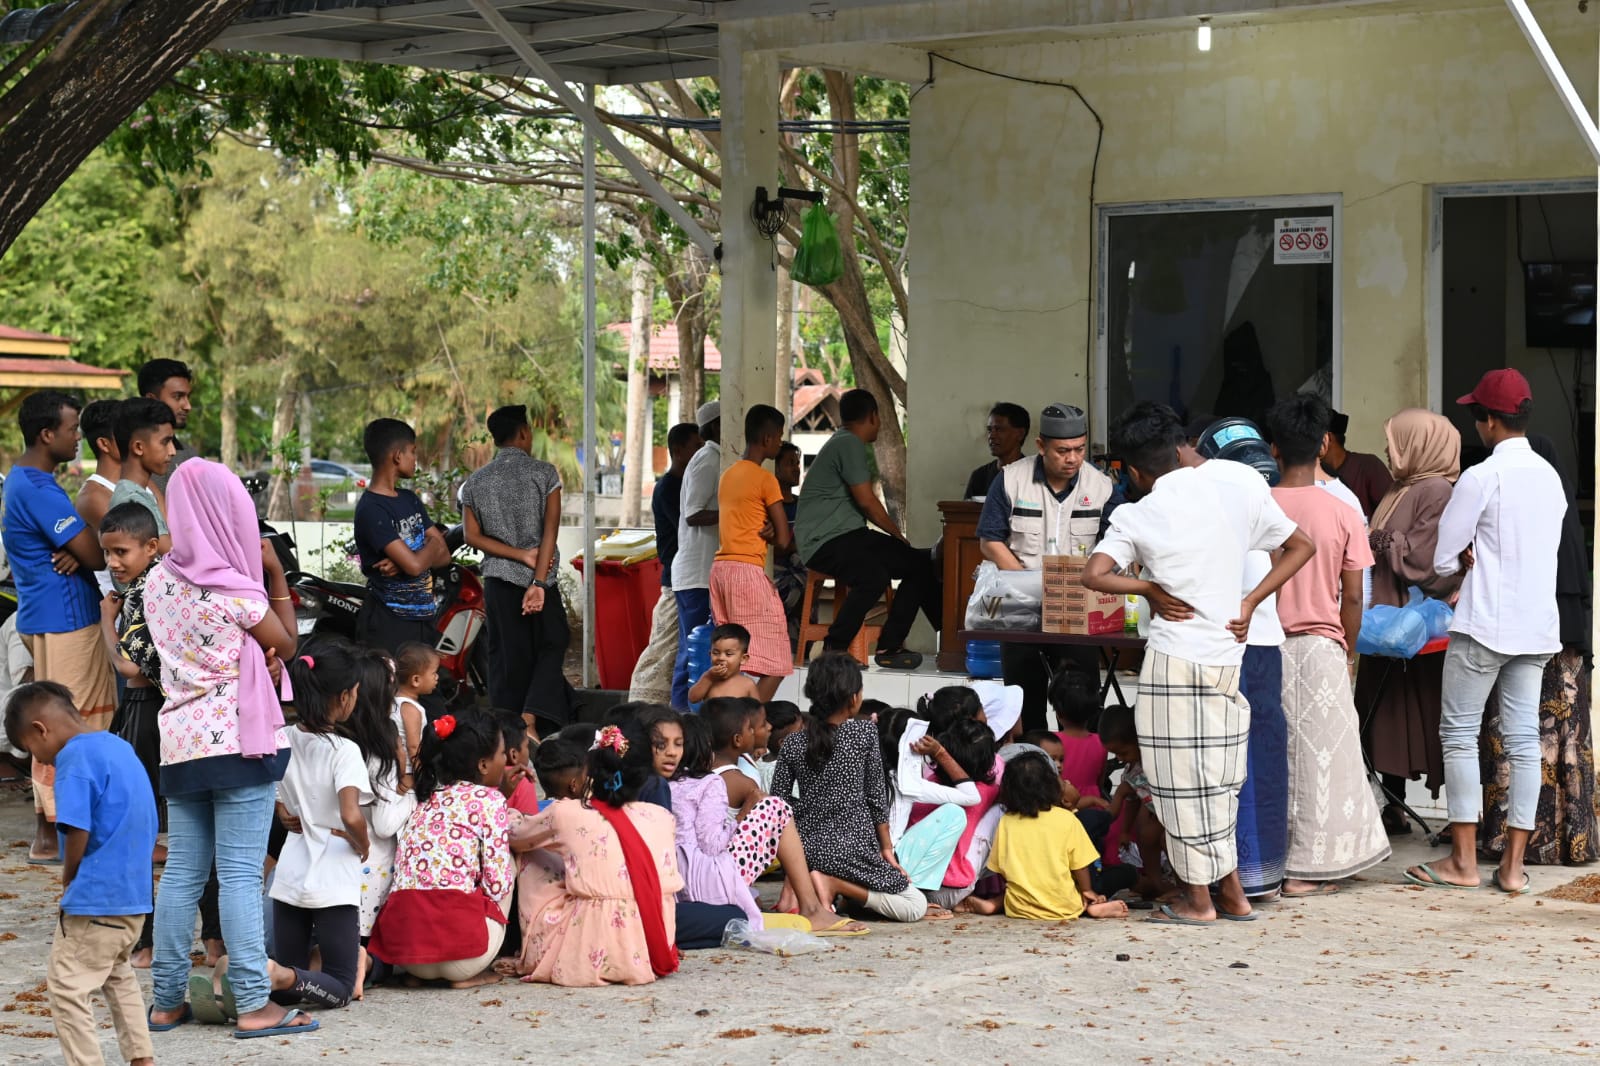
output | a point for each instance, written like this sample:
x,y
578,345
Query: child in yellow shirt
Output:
x,y
1041,849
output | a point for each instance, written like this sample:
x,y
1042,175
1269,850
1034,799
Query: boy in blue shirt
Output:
x,y
106,815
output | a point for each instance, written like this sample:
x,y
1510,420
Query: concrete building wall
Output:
x,y
1375,109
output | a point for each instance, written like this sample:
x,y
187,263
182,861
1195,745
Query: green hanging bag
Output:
x,y
818,261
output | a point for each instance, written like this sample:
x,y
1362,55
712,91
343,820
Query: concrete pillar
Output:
x,y
749,282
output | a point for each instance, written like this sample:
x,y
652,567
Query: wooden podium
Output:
x,y
961,558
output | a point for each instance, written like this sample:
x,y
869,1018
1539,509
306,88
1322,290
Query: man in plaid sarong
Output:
x,y
1190,533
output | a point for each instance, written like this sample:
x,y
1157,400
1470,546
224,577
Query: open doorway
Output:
x,y
1517,267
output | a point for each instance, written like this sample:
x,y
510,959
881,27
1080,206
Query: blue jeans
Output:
x,y
228,826
694,610
1470,673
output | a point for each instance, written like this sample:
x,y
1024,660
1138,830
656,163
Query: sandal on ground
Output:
x,y
1225,916
185,1016
1324,888
1429,879
898,660
843,927
1501,885
203,1001
287,1027
1165,915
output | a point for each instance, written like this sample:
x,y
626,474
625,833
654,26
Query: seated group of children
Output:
x,y
417,850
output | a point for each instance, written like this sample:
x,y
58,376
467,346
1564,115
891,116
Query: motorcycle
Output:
x,y
331,608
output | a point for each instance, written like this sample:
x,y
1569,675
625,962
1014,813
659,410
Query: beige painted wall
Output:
x,y
1376,109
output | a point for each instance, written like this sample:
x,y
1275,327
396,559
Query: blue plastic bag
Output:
x,y
1436,615
1392,632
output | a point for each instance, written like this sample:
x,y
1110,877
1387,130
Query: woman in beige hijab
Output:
x,y
1402,738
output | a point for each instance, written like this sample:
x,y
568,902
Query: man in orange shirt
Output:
x,y
750,505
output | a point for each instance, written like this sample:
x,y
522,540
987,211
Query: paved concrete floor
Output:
x,y
1381,973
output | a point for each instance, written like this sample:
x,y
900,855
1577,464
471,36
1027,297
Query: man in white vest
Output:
x,y
1052,503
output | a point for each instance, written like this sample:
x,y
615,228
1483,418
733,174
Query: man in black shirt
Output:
x,y
1007,428
652,675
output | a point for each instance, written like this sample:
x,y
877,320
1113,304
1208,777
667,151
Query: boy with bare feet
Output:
x,y
106,815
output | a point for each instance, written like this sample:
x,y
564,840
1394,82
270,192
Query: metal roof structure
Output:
x,y
591,42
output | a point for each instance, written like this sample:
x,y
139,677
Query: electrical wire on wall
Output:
x,y
1094,175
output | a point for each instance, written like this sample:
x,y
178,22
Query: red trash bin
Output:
x,y
625,600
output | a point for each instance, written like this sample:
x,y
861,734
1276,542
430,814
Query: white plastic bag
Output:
x,y
1006,599
781,942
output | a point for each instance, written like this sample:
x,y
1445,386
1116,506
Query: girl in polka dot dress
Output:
x,y
729,831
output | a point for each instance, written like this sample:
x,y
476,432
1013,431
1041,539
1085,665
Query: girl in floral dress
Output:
x,y
445,916
608,915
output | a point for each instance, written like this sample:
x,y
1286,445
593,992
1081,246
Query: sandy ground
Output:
x,y
1381,973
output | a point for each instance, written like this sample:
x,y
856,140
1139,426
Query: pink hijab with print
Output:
x,y
216,545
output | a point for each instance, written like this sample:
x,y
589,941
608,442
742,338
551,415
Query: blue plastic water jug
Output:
x,y
983,659
699,655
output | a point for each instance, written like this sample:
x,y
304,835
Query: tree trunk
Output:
x,y
783,359
687,291
86,87
848,296
279,502
305,486
228,414
635,448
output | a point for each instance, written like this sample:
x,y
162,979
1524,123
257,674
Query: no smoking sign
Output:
x,y
1303,240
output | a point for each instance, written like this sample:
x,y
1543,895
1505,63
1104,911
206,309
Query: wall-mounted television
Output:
x,y
1560,305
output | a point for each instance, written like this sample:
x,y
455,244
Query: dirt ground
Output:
x,y
1381,973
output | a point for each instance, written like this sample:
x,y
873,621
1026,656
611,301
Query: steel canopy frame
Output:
x,y
1557,74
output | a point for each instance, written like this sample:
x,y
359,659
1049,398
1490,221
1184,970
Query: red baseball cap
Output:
x,y
1501,391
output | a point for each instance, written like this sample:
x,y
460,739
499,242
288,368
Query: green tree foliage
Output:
x,y
69,272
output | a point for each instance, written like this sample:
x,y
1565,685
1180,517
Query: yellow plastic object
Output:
x,y
626,546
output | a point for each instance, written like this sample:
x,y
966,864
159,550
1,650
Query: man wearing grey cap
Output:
x,y
698,541
1053,503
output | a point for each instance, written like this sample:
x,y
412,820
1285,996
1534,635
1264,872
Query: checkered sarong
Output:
x,y
1194,729
744,594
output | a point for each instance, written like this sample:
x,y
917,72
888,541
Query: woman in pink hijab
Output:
x,y
219,614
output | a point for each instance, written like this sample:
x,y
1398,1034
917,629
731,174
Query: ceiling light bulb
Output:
x,y
1203,39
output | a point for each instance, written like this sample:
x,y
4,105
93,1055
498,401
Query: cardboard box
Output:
x,y
1068,607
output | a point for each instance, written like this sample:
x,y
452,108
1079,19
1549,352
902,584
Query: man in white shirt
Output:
x,y
1503,524
1191,533
698,541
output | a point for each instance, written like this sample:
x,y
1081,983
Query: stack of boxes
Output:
x,y
1071,608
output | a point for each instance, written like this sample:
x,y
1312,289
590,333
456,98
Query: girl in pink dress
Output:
x,y
607,915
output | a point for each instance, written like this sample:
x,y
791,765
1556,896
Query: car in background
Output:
x,y
326,472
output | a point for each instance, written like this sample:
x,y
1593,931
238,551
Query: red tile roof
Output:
x,y
12,333
664,347
51,365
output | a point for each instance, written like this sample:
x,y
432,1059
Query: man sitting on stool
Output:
x,y
836,503
1054,503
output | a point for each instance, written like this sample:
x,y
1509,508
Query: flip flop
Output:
x,y
44,862
784,920
1165,915
1433,880
184,1018
1324,888
1501,885
203,1000
1225,916
841,928
283,1028
230,1005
